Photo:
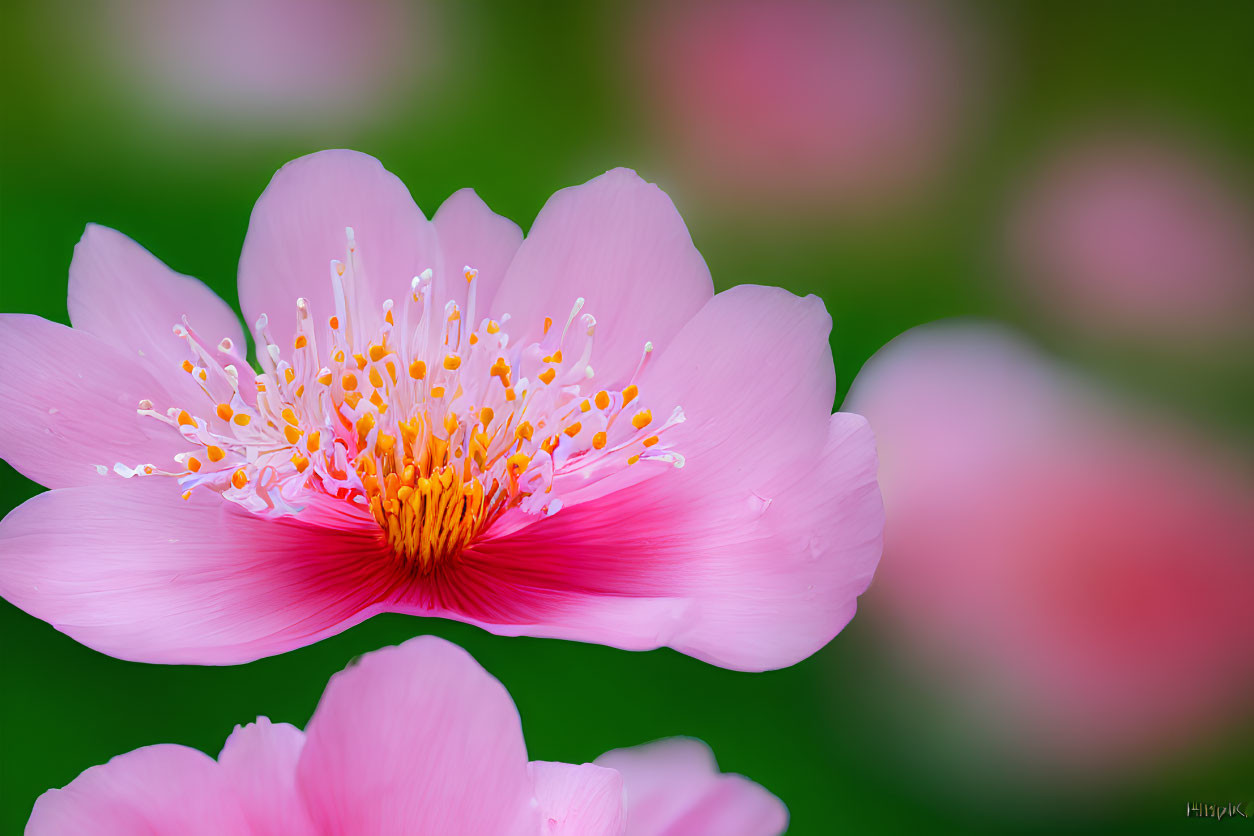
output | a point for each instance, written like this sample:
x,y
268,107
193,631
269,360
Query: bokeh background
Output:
x,y
1060,633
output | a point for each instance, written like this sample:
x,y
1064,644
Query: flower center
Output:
x,y
431,426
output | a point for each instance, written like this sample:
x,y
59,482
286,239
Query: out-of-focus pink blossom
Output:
x,y
265,65
569,436
412,739
1078,572
851,104
1137,234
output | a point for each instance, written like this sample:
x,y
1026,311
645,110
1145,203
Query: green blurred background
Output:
x,y
519,100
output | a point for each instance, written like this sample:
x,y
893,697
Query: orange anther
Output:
x,y
349,381
650,441
598,441
239,478
314,441
377,352
573,429
193,464
187,366
641,419
186,420
417,370
547,376
288,415
216,454
301,341
241,419
289,374
300,461
548,323
376,379
585,406
524,431
292,434
437,391
452,361
633,459
334,322
485,416
629,394
602,399
325,378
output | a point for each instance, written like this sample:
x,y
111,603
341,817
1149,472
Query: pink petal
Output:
x,y
259,764
69,405
132,570
752,555
472,235
576,800
417,739
164,790
674,788
124,295
618,242
298,227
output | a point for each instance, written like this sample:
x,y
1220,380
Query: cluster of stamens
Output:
x,y
434,427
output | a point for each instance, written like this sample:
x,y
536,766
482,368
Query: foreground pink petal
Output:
x,y
225,586
298,226
578,799
1084,564
411,739
124,295
711,578
618,243
69,404
259,765
397,738
164,789
674,788
567,435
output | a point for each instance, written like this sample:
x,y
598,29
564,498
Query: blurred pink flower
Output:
x,y
421,456
1130,234
1081,574
412,739
852,103
265,64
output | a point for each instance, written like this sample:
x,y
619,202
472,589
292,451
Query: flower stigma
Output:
x,y
431,424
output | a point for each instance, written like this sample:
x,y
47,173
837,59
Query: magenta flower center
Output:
x,y
432,424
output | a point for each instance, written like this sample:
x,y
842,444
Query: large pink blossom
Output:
x,y
568,436
1077,569
412,739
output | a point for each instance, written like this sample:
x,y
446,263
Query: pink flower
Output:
x,y
546,472
853,103
258,66
1076,570
412,739
1137,235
